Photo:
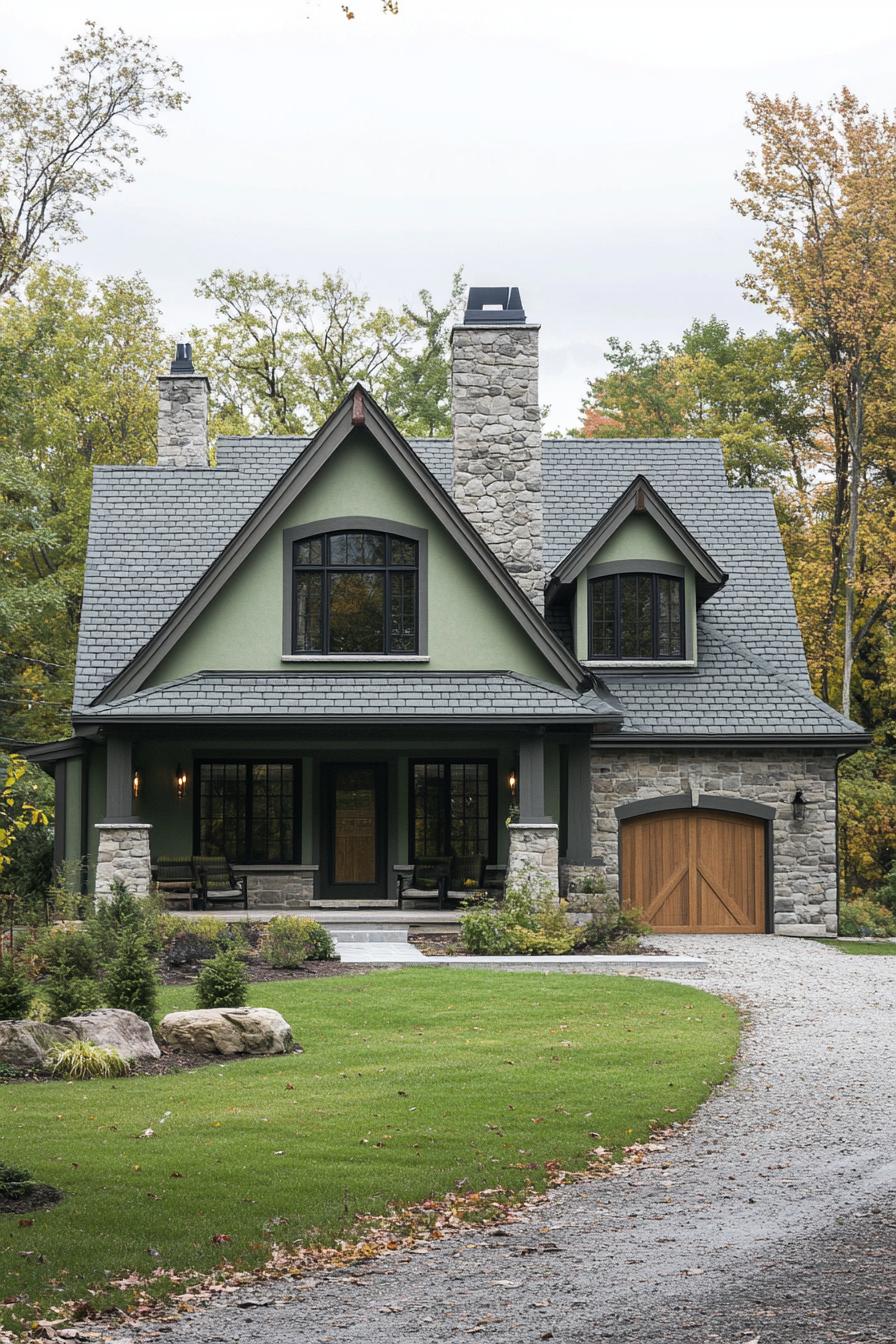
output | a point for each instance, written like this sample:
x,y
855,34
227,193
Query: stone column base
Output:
x,y
123,856
535,844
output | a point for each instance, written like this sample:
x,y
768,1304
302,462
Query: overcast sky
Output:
x,y
581,150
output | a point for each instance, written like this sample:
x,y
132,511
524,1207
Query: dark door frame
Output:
x,y
353,891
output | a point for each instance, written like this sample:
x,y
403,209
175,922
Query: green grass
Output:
x,y
411,1081
860,949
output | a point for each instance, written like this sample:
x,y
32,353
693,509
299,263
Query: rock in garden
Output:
x,y
25,1044
227,1031
115,1029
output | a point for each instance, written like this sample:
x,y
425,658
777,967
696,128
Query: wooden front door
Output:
x,y
353,849
695,871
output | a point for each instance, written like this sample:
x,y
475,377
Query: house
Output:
x,y
327,656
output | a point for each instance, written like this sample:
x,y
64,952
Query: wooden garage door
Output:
x,y
695,871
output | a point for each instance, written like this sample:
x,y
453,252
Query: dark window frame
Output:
x,y
247,763
617,655
492,794
327,567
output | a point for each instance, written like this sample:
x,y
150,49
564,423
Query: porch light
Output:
x,y
135,785
511,783
798,803
180,780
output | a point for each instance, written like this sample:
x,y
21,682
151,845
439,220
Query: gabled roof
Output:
x,y
357,410
483,698
641,498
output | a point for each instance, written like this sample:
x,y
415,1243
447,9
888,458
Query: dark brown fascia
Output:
x,y
296,477
641,497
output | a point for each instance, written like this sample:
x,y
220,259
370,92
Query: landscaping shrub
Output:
x,y
68,992
186,941
886,894
613,930
222,982
29,872
864,918
15,1182
120,917
287,941
131,981
16,991
529,921
61,942
83,1059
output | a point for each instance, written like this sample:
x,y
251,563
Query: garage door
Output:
x,y
695,871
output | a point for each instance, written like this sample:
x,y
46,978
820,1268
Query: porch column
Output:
x,y
123,853
578,803
535,838
60,784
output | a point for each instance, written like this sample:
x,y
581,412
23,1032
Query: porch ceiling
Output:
x,y
352,698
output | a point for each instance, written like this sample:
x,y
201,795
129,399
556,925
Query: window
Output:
x,y
453,808
634,616
355,593
248,810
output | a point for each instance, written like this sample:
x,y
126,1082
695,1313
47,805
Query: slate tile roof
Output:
x,y
153,533
360,697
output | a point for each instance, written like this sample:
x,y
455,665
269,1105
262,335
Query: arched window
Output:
x,y
355,592
635,616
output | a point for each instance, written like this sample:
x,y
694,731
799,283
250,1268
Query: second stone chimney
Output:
x,y
497,475
183,413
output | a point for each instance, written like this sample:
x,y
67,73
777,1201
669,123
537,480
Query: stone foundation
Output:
x,y
536,844
804,852
123,856
291,887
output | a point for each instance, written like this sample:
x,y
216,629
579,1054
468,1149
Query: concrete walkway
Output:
x,y
736,1233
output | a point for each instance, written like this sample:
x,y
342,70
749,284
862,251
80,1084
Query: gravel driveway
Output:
x,y
770,1219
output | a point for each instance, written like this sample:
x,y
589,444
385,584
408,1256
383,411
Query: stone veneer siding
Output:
x,y
536,844
183,420
123,856
292,888
497,479
805,853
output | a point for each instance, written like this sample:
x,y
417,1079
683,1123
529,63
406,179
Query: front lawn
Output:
x,y
859,949
412,1081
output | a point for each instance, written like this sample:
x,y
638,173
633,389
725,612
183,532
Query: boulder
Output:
x,y
25,1044
227,1031
115,1029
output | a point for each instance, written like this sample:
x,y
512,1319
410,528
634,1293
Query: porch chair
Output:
x,y
465,875
427,882
174,879
216,881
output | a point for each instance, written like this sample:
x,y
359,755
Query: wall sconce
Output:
x,y
135,785
180,781
511,783
798,803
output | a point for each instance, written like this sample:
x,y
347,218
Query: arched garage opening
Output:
x,y
697,869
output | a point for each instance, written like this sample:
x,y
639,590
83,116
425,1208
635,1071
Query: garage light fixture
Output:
x,y
798,803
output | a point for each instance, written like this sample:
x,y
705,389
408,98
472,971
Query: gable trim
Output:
x,y
290,485
641,498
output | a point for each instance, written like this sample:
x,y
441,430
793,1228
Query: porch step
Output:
x,y
367,933
353,905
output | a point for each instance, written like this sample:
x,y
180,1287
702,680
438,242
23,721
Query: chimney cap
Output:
x,y
183,359
496,303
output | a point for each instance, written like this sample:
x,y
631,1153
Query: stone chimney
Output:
x,y
496,477
183,413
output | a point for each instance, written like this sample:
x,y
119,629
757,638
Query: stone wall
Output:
x,y
183,420
536,844
804,859
497,478
291,887
123,856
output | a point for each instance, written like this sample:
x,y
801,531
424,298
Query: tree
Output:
x,y
20,803
822,183
77,389
64,146
417,385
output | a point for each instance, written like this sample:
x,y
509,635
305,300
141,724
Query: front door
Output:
x,y
353,848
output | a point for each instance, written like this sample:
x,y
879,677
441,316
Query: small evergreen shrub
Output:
x,y
288,941
67,992
123,916
886,894
131,981
15,1182
82,1059
28,875
222,982
16,991
864,918
61,942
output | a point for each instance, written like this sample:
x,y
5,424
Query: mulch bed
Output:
x,y
38,1197
260,972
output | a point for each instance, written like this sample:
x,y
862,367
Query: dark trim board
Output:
x,y
330,890
841,744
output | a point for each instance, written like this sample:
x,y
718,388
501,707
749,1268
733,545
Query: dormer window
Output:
x,y
355,593
635,617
